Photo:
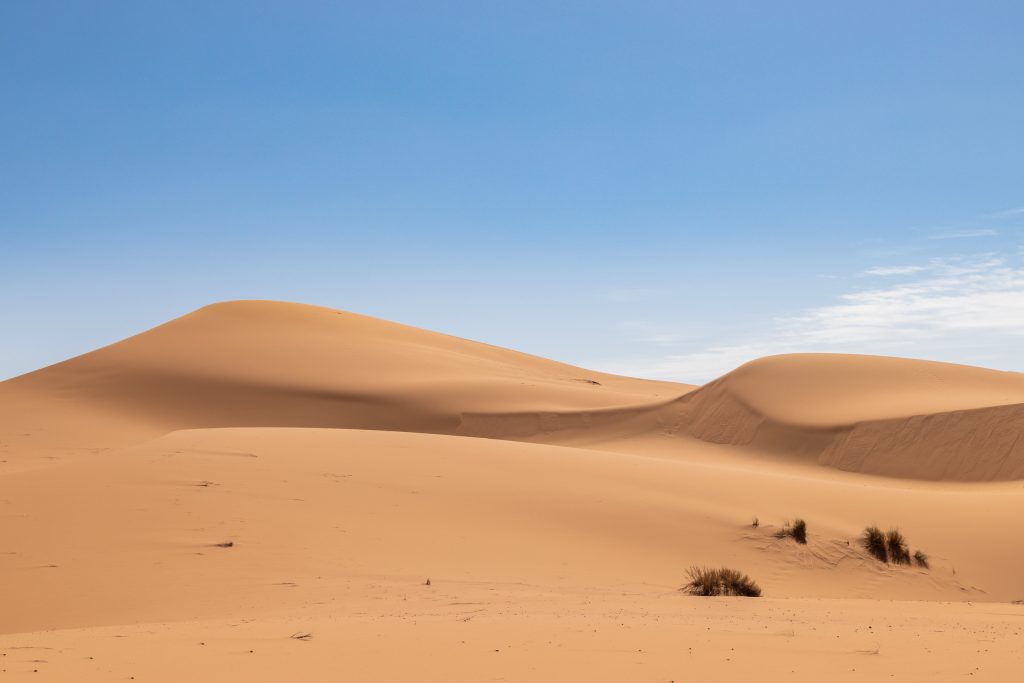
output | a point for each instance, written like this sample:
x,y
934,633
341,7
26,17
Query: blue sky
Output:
x,y
656,188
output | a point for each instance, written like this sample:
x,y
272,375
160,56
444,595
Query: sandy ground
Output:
x,y
184,505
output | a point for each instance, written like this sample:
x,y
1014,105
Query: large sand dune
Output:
x,y
269,364
891,416
179,505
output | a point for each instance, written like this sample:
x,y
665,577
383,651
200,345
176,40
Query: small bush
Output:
x,y
710,582
756,523
874,542
799,531
921,559
899,553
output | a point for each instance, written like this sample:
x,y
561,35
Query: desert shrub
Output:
x,y
896,544
921,559
724,581
756,523
873,541
798,532
891,546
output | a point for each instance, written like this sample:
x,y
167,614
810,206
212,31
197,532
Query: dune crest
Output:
x,y
875,415
273,364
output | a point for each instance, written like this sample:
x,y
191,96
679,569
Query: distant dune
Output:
x,y
262,490
870,414
269,364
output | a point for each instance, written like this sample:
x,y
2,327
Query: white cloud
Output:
x,y
958,295
960,310
1008,213
963,234
885,271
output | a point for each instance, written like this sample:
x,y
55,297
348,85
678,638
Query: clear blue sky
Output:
x,y
660,188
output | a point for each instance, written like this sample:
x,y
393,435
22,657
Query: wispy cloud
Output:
x,y
957,295
954,303
963,234
886,271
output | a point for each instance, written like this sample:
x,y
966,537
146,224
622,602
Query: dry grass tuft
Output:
x,y
921,559
899,552
873,541
724,581
891,546
798,531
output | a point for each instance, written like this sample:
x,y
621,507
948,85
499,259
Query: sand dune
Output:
x,y
260,364
890,416
255,471
269,364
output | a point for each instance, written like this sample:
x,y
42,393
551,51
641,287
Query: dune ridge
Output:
x,y
273,364
888,416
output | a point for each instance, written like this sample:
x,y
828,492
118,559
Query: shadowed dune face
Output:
x,y
876,415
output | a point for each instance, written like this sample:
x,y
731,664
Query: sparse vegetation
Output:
x,y
798,531
707,581
874,542
891,546
756,523
899,553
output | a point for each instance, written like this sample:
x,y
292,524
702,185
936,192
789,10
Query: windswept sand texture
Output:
x,y
342,459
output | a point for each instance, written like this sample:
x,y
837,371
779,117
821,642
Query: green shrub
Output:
x,y
711,582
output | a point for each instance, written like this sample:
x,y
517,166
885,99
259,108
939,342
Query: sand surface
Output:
x,y
187,504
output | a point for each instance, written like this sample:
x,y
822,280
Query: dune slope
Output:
x,y
869,414
271,364
544,563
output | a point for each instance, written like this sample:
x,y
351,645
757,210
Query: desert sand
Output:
x,y
272,491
